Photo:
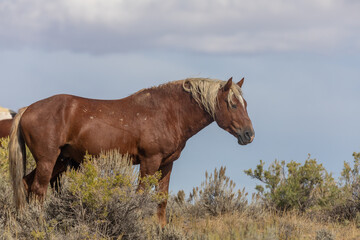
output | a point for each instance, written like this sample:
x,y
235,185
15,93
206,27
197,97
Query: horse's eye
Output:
x,y
233,106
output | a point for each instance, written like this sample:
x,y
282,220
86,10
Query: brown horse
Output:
x,y
5,126
6,119
151,125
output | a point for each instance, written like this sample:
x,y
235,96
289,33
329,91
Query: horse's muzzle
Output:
x,y
245,137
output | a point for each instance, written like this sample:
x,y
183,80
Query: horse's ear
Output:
x,y
227,85
240,83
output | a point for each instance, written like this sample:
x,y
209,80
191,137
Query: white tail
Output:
x,y
17,159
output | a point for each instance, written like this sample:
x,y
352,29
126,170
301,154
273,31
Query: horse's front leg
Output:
x,y
62,164
150,167
164,188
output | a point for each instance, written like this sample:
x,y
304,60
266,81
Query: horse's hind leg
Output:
x,y
28,180
61,165
43,173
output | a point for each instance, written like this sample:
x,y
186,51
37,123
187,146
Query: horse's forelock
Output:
x,y
236,92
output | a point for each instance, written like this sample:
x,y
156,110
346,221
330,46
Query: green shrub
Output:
x,y
350,178
5,187
4,158
103,196
348,205
295,186
100,200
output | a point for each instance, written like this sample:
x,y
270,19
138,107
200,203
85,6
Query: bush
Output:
x,y
295,186
102,195
216,196
5,187
348,205
4,156
100,200
350,178
324,234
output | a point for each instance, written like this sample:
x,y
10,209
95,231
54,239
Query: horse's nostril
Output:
x,y
247,135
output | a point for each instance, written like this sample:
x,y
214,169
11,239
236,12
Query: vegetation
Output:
x,y
101,201
309,188
295,186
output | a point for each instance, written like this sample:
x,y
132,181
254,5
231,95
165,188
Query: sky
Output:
x,y
300,60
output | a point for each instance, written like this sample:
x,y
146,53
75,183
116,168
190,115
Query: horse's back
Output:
x,y
57,106
77,124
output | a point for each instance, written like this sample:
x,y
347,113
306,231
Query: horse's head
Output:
x,y
231,113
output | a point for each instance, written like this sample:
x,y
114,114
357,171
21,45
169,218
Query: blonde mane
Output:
x,y
205,90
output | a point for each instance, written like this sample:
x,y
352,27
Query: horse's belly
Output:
x,y
99,140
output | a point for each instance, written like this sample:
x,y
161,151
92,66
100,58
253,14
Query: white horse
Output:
x,y
6,113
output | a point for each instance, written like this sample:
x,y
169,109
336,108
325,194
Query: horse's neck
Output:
x,y
190,116
187,117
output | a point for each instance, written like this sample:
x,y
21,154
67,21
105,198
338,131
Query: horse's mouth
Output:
x,y
240,140
245,138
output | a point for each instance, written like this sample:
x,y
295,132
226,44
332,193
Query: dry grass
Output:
x,y
290,226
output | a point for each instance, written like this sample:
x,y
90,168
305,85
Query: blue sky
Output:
x,y
300,60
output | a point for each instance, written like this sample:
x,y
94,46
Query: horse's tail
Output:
x,y
17,160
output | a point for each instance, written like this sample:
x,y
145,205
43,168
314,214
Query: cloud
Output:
x,y
218,26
